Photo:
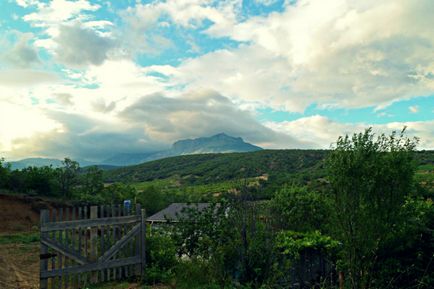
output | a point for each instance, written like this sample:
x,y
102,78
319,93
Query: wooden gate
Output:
x,y
86,245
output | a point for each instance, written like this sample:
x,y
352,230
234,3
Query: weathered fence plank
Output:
x,y
119,244
102,245
143,241
91,245
109,221
60,256
92,267
138,268
44,217
63,250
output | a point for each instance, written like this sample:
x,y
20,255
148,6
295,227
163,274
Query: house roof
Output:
x,y
173,212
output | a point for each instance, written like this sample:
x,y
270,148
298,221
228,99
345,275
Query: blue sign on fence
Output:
x,y
127,205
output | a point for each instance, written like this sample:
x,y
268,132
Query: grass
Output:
x,y
20,238
175,185
426,167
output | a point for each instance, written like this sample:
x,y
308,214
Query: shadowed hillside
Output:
x,y
217,167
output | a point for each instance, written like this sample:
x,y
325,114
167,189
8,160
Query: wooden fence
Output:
x,y
87,245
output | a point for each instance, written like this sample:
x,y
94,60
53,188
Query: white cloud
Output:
x,y
139,127
197,114
58,11
27,3
414,109
78,46
27,77
18,121
68,27
322,131
18,50
342,53
335,53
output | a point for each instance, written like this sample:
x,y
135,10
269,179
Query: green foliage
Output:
x,y
92,181
160,257
233,240
370,178
195,273
292,243
299,209
211,168
152,199
406,259
20,238
116,193
68,176
4,174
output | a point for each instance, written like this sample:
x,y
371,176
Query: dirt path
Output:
x,y
19,263
19,266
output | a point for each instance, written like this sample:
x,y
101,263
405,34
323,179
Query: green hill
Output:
x,y
211,168
275,167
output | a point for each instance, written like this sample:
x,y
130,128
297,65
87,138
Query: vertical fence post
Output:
x,y
138,269
43,284
143,242
93,243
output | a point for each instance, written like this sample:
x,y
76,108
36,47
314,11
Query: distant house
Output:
x,y
175,212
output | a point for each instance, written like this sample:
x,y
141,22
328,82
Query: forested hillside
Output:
x,y
206,168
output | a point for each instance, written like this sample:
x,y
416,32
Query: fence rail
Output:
x,y
87,245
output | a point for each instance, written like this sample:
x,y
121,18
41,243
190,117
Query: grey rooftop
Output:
x,y
173,212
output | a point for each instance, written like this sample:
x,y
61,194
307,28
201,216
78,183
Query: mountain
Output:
x,y
219,143
42,162
35,162
124,159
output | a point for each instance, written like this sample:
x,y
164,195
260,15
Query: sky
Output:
x,y
90,78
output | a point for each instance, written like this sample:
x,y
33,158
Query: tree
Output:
x,y
299,209
68,176
370,177
4,173
41,181
92,183
152,199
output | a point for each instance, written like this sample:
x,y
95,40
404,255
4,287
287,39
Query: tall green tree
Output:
x,y
4,173
92,181
68,176
370,177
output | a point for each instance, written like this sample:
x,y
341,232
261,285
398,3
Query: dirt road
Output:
x,y
19,262
19,266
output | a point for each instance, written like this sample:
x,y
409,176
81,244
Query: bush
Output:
x,y
160,258
298,209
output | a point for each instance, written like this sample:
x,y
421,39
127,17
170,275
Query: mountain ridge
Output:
x,y
219,143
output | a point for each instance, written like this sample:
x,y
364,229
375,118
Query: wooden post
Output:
x,y
126,270
143,242
43,284
67,244
102,244
79,243
114,276
93,243
59,256
54,257
138,269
